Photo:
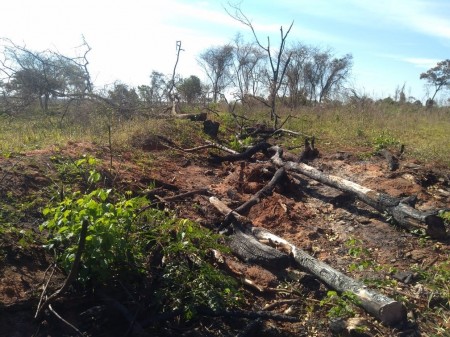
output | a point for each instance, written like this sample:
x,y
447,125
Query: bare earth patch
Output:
x,y
323,221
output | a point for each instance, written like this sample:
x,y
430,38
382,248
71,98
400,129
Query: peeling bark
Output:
x,y
404,215
385,309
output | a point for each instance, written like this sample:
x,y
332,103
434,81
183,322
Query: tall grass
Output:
x,y
36,131
424,132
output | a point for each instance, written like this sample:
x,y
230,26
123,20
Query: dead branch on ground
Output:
x,y
72,274
383,308
404,215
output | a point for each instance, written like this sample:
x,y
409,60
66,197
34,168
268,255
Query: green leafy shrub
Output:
x,y
340,305
384,140
109,248
125,237
187,280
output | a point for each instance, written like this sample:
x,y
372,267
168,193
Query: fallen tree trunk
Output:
x,y
240,156
192,117
250,250
382,307
404,215
245,246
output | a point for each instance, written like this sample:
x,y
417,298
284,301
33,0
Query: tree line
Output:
x,y
292,74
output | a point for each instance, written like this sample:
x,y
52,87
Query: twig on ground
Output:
x,y
64,321
72,274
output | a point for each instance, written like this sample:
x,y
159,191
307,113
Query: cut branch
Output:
x,y
382,307
244,155
404,215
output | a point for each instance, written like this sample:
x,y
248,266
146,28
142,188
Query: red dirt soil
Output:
x,y
316,218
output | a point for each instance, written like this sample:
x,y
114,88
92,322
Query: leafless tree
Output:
x,y
325,74
277,67
217,61
29,75
295,82
247,68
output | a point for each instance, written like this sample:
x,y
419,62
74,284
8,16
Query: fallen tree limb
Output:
x,y
221,147
245,246
72,274
404,215
199,117
187,194
247,314
266,190
250,250
383,308
244,155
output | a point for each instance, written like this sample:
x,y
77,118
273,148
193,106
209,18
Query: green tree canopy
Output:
x,y
438,77
190,89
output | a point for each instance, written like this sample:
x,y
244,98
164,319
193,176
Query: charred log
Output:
x,y
250,250
200,117
392,160
309,152
211,128
260,147
385,309
403,214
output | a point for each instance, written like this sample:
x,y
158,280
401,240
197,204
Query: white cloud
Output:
x,y
418,62
427,17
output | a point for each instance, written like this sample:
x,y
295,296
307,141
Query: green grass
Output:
x,y
424,132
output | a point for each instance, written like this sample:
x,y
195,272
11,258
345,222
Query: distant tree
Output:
x,y
190,89
295,81
277,67
31,76
217,61
157,92
438,77
248,68
125,99
324,74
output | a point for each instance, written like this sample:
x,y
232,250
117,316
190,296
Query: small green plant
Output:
x,y
188,281
362,256
384,140
110,246
238,144
125,235
437,278
445,215
340,305
82,170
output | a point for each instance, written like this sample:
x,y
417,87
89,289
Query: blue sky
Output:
x,y
392,41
